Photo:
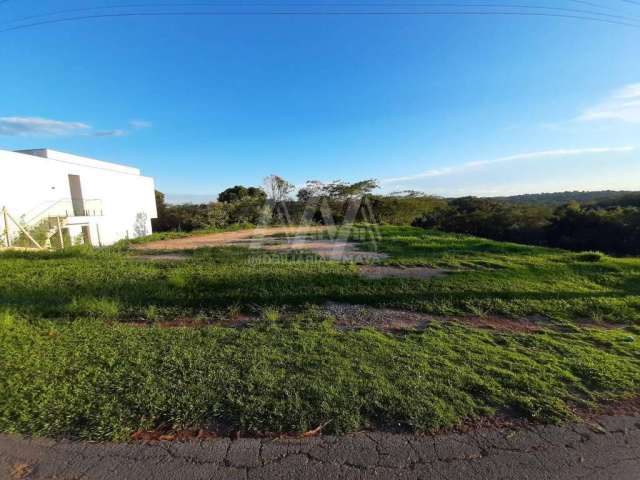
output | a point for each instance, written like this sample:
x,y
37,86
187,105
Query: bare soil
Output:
x,y
358,316
275,239
327,249
226,238
521,325
350,316
355,317
171,257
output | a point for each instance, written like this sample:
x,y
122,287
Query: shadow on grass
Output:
x,y
194,291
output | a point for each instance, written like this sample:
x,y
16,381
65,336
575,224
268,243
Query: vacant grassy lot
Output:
x,y
73,363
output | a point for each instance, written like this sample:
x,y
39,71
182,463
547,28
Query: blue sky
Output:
x,y
451,105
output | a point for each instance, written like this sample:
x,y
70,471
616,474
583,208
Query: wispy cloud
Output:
x,y
545,154
622,105
140,124
110,133
35,126
46,127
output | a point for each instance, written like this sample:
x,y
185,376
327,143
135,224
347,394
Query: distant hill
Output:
x,y
608,197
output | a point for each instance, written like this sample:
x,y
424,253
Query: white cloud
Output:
x,y
622,105
35,126
110,133
46,127
559,153
139,124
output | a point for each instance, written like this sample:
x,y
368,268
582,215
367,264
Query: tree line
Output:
x,y
610,225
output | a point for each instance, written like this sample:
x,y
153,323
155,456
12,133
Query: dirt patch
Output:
x,y
627,407
226,238
508,421
522,325
275,239
350,316
170,257
354,317
326,249
359,316
219,430
375,272
21,471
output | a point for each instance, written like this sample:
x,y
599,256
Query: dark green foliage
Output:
x,y
240,193
626,200
240,205
614,230
491,219
606,221
605,197
403,210
589,257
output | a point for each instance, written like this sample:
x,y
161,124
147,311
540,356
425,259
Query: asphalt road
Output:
x,y
608,448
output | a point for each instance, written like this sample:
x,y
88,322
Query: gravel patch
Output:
x,y
350,316
327,249
275,239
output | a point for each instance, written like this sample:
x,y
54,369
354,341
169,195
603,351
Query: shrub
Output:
x,y
589,257
93,307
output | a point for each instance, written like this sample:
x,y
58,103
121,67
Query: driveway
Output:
x,y
228,238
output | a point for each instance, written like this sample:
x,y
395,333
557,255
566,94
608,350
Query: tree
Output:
x,y
403,209
277,188
162,222
240,193
336,190
339,190
312,189
408,194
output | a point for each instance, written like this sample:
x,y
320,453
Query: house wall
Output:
x,y
30,184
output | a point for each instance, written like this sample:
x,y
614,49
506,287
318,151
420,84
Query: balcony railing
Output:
x,y
67,207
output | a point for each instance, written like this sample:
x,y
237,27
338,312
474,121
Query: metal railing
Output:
x,y
37,229
66,207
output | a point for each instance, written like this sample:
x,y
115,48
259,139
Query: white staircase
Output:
x,y
38,231
57,228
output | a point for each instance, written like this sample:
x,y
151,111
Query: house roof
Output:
x,y
79,160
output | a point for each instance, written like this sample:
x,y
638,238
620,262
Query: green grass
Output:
x,y
92,380
71,366
489,277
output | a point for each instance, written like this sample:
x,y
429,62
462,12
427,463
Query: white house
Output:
x,y
92,201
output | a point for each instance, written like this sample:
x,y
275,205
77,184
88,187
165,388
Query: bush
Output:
x,y
403,210
103,308
589,257
613,230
